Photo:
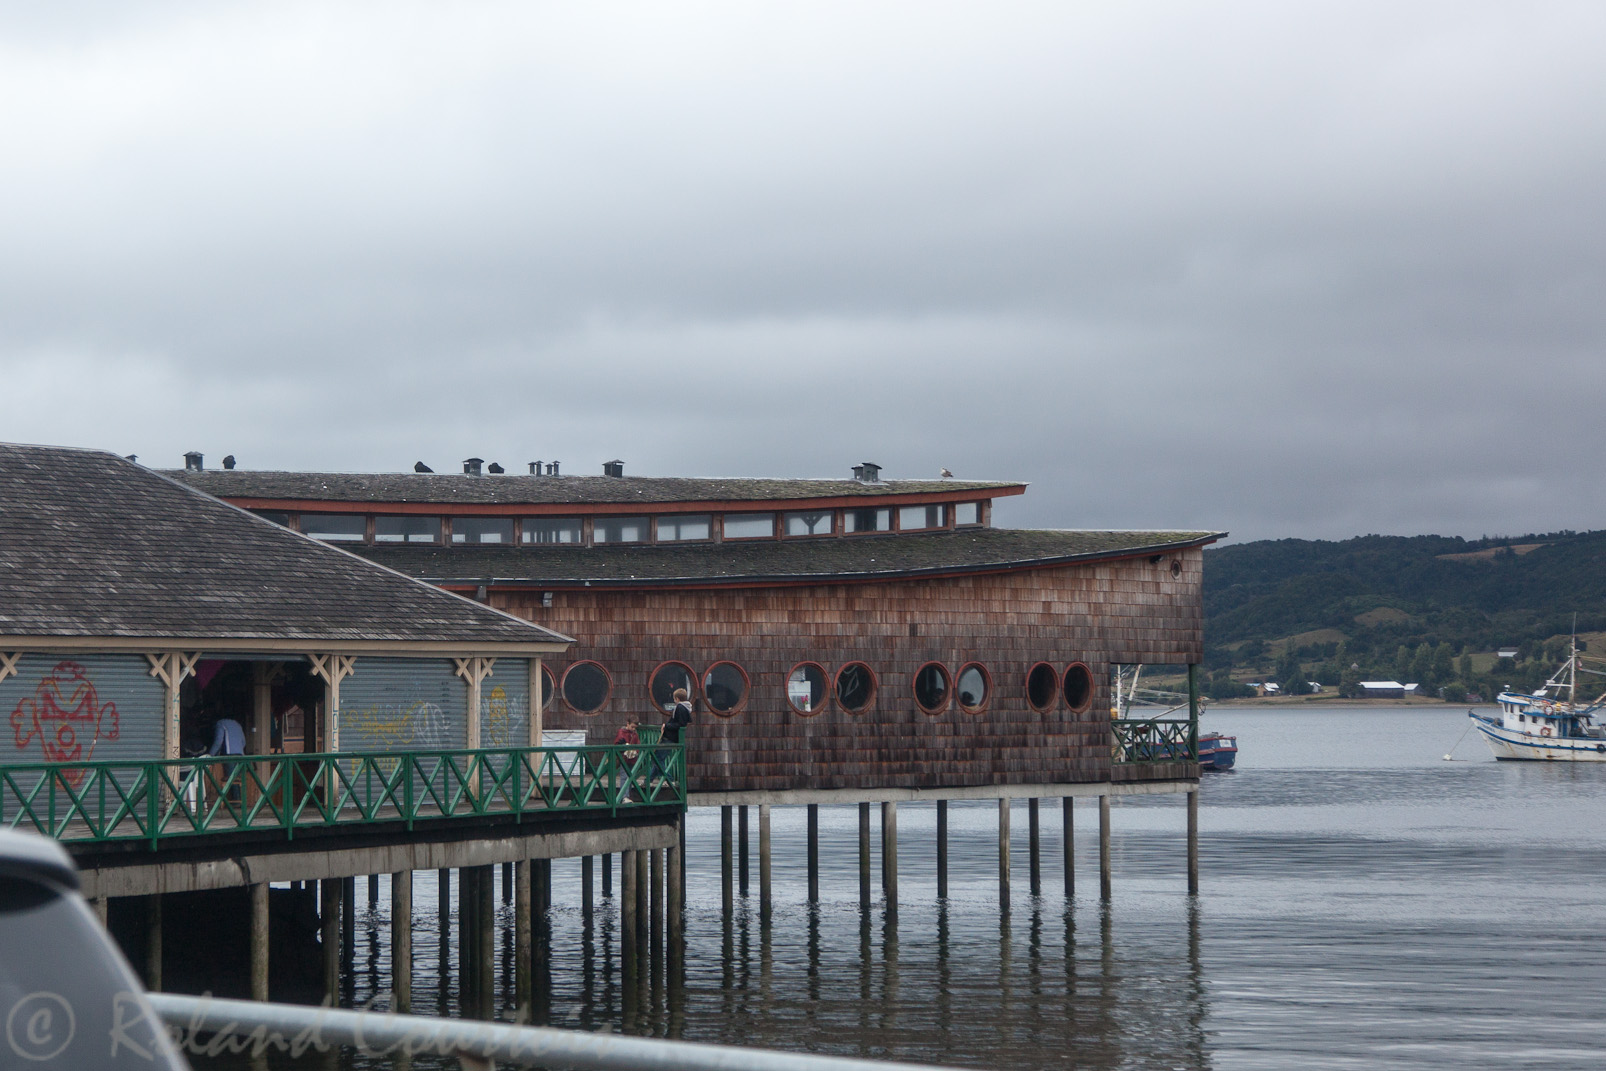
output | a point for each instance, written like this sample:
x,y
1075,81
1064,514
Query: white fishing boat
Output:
x,y
1548,725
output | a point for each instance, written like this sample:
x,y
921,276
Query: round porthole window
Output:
x,y
1078,687
855,687
931,687
1042,682
549,688
975,685
725,687
1176,568
807,688
665,679
586,686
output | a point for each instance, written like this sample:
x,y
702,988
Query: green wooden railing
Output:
x,y
1153,740
99,802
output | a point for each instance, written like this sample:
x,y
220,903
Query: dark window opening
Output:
x,y
806,687
868,520
725,687
665,679
749,526
482,529
586,687
278,517
1041,684
619,530
855,687
675,528
813,523
335,527
552,530
974,687
931,687
914,518
407,529
1078,687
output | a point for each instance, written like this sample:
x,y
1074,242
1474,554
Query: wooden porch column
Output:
x,y
474,670
171,667
332,669
537,702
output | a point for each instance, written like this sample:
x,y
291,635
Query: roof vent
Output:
x,y
192,461
867,472
471,466
535,468
552,468
613,468
495,469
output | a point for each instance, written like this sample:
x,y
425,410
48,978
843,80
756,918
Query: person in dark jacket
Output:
x,y
679,718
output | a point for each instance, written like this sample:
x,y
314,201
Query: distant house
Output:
x,y
1266,689
1506,652
1314,686
1386,689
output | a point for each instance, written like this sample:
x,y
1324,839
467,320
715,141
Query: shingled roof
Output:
x,y
777,561
94,546
449,489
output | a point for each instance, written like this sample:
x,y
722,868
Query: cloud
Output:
x,y
1285,270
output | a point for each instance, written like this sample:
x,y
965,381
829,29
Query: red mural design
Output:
x,y
67,716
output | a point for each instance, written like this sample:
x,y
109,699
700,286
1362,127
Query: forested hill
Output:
x,y
1376,594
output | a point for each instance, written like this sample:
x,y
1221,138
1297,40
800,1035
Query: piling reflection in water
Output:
x,y
950,980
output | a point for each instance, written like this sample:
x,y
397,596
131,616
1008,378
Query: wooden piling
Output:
x,y
1033,847
864,857
153,942
889,856
627,915
1104,847
1068,843
259,940
401,940
348,922
942,849
607,874
643,891
655,908
485,935
1193,843
329,890
726,888
1003,855
523,920
467,946
373,890
677,902
507,883
764,860
814,853
587,880
741,849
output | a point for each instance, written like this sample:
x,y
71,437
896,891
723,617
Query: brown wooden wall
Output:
x,y
1124,611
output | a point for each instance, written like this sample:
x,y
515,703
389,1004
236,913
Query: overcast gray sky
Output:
x,y
1285,269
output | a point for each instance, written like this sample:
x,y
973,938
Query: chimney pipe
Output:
x,y
535,468
613,468
552,469
192,461
471,466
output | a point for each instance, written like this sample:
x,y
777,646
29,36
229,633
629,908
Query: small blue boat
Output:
x,y
1217,752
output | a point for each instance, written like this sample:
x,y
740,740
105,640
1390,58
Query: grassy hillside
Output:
x,y
1426,608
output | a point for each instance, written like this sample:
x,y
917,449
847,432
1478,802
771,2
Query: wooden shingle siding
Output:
x,y
1123,611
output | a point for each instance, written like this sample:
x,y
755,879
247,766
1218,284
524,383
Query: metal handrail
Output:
x,y
96,802
204,1026
1137,741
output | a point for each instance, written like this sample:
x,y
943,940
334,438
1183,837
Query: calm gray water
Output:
x,y
1364,904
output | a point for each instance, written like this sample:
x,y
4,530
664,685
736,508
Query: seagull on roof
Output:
x,y
945,474
419,466
228,462
495,469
